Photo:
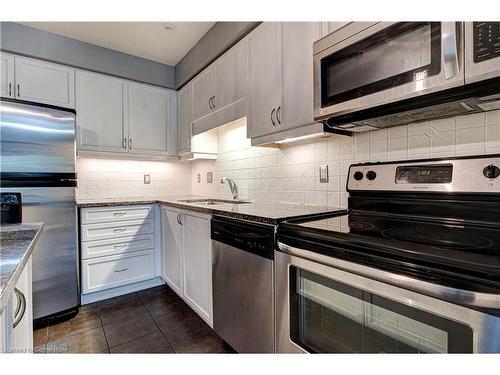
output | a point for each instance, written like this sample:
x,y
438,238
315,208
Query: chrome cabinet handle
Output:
x,y
119,213
188,142
210,102
272,113
179,221
119,230
10,88
123,269
449,44
18,90
121,246
125,143
213,102
278,111
130,144
20,309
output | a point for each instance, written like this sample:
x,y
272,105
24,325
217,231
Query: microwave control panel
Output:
x,y
486,37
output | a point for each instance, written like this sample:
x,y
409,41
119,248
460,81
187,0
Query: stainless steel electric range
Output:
x,y
413,266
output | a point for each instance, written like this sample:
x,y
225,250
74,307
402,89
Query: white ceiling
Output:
x,y
143,39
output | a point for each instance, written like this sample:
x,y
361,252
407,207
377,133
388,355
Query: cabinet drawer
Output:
x,y
105,214
120,245
105,231
113,271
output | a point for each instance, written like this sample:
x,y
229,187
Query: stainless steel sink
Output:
x,y
213,201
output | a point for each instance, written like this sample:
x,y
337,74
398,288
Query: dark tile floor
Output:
x,y
154,320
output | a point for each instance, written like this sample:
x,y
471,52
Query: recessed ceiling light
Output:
x,y
168,27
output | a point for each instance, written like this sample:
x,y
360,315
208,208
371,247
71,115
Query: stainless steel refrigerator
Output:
x,y
37,147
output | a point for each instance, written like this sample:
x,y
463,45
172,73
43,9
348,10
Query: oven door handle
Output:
x,y
449,45
446,293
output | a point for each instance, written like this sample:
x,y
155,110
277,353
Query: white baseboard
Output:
x,y
114,292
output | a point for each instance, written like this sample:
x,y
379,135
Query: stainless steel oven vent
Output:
x,y
421,114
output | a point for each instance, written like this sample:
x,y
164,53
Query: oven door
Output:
x,y
482,51
324,309
364,65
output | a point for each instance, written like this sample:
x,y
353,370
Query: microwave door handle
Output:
x,y
449,44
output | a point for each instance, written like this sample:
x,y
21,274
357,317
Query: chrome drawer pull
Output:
x,y
21,307
119,230
119,213
123,269
121,246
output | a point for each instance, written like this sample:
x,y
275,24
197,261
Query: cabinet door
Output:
x,y
298,39
203,90
330,27
101,112
197,281
184,119
42,82
171,248
22,335
264,78
7,75
231,76
149,119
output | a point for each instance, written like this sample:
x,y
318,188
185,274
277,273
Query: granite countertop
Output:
x,y
17,242
260,211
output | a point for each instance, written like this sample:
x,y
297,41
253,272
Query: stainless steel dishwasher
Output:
x,y
243,285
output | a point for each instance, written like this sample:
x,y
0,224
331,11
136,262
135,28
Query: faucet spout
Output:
x,y
232,186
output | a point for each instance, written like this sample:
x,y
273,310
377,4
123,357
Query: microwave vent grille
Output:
x,y
418,115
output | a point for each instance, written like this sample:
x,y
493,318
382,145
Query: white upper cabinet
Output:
x,y
298,39
120,118
101,112
7,75
42,82
281,77
149,119
264,79
184,119
330,27
231,76
203,93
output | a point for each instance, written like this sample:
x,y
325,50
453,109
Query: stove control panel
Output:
x,y
424,174
466,174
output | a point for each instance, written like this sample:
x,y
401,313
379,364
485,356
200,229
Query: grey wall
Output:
x,y
27,41
221,37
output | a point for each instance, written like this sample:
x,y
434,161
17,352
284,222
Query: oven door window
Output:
x,y
330,317
399,54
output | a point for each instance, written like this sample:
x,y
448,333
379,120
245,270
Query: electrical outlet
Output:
x,y
209,177
323,173
198,177
147,179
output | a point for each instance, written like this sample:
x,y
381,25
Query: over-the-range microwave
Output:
x,y
371,75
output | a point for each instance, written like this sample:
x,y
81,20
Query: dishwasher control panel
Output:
x,y
252,237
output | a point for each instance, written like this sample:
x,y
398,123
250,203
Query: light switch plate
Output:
x,y
198,177
323,173
147,179
209,177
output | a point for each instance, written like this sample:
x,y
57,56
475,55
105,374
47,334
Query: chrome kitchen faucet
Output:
x,y
232,186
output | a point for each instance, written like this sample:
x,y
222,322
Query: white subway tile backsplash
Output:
x,y
291,173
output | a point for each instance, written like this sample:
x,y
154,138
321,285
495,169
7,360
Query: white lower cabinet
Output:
x,y
187,258
109,272
16,319
118,254
171,248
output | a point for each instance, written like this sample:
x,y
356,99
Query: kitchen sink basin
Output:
x,y
210,202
